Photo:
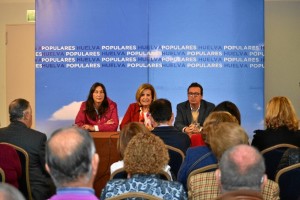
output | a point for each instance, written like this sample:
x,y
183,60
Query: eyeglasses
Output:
x,y
191,94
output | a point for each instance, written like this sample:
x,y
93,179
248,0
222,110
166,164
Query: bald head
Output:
x,y
244,157
242,167
69,156
65,143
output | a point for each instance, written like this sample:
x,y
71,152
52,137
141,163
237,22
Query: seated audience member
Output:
x,y
219,137
192,113
19,133
8,192
282,125
127,133
290,157
139,111
241,173
204,186
98,112
161,114
72,163
145,155
229,107
10,163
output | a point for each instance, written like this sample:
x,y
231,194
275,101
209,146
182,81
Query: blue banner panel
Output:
x,y
168,43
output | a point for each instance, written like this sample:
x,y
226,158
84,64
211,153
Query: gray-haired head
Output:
x,y
69,155
8,192
242,167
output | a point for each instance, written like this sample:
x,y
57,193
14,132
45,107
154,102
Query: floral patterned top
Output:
x,y
151,184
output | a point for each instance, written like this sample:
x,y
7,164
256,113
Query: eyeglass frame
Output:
x,y
193,94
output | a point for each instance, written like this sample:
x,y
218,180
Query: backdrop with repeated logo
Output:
x,y
168,43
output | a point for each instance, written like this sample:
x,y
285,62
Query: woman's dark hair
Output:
x,y
229,107
90,109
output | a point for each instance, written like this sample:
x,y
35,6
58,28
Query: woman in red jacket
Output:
x,y
98,112
139,111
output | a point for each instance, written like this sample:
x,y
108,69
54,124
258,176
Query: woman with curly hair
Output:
x,y
98,112
127,133
144,157
281,125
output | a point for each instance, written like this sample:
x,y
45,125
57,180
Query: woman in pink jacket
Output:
x,y
98,112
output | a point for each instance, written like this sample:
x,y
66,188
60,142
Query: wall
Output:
x,y
282,51
282,57
20,64
10,13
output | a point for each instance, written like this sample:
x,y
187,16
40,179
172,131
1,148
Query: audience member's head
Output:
x,y
280,112
218,117
161,111
223,135
215,118
71,159
145,154
241,167
229,107
127,133
20,110
290,157
8,192
140,90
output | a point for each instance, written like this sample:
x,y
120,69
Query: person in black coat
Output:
x,y
162,116
282,125
20,134
192,113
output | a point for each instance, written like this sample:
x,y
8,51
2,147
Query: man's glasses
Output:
x,y
191,94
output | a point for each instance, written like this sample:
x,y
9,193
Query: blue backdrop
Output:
x,y
168,43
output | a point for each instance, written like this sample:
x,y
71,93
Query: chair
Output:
x,y
272,156
122,174
207,168
2,175
134,195
24,183
288,181
176,159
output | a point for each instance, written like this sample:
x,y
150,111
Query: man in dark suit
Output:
x,y
192,113
20,134
162,116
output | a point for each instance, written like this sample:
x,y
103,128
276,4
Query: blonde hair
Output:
x,y
216,117
127,133
141,89
219,116
224,135
280,112
145,154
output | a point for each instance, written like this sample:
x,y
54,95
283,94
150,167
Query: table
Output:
x,y
106,147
